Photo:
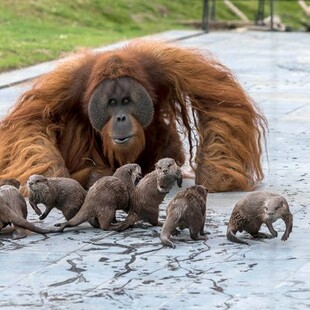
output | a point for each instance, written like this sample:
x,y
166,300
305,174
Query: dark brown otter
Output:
x,y
64,194
13,210
107,195
12,182
255,209
186,210
150,192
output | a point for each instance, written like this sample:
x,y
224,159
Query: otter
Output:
x,y
255,209
186,210
12,182
13,210
64,194
150,192
108,194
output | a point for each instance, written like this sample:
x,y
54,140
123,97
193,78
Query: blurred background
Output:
x,y
33,31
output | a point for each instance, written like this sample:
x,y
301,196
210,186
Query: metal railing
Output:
x,y
209,13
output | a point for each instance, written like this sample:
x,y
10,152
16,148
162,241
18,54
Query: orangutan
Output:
x,y
99,110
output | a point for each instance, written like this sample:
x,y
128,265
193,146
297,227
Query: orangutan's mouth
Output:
x,y
122,140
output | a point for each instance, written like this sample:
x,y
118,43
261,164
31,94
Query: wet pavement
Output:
x,y
84,268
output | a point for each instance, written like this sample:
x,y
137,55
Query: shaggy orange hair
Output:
x,y
48,132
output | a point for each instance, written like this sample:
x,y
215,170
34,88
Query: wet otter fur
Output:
x,y
186,210
107,195
64,194
150,192
13,210
259,208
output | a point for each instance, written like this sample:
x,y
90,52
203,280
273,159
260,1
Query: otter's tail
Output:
x,y
21,222
170,225
131,219
232,237
81,217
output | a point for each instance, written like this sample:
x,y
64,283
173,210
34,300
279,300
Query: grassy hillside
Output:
x,y
36,30
33,31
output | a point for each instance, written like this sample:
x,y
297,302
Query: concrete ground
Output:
x,y
85,268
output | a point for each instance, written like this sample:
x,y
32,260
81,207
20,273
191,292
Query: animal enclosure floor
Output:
x,y
86,268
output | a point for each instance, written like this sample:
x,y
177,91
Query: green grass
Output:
x,y
34,31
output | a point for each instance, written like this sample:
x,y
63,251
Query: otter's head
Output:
x,y
201,191
37,183
130,172
167,173
12,182
275,208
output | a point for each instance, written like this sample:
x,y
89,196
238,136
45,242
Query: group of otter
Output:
x,y
140,198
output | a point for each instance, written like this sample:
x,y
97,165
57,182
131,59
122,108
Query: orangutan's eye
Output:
x,y
112,102
125,101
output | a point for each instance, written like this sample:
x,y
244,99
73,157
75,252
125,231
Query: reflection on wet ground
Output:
x,y
84,267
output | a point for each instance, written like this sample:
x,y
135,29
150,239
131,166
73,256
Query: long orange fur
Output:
x,y
48,131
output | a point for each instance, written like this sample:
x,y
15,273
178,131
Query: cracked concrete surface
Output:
x,y
84,268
